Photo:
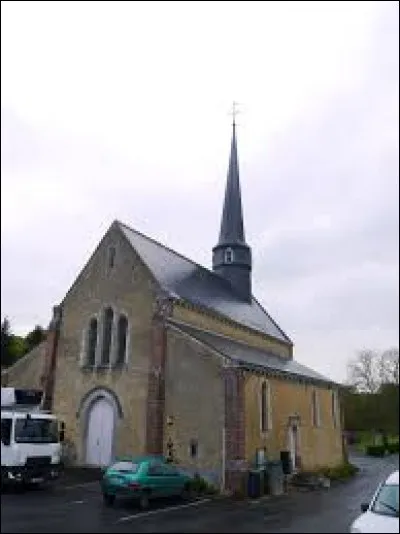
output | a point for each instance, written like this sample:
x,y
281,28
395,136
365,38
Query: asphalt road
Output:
x,y
80,509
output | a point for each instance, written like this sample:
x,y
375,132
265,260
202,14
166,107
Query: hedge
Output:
x,y
375,450
393,447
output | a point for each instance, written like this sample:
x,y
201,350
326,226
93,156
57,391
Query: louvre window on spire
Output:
x,y
229,256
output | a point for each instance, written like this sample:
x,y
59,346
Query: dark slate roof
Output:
x,y
232,230
250,357
184,279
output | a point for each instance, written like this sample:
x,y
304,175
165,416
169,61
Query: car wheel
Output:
x,y
144,501
108,499
186,493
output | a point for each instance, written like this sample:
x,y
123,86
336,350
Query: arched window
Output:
x,y
228,256
265,407
335,410
111,257
315,409
107,335
91,343
122,339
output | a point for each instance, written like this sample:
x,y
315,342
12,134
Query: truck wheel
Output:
x,y
108,499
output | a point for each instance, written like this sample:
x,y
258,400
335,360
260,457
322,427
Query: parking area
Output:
x,y
80,509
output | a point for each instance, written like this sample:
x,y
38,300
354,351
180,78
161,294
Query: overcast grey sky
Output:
x,y
120,110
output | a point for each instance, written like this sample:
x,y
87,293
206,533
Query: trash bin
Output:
x,y
254,484
275,478
264,479
286,462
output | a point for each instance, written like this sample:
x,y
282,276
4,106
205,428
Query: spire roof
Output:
x,y
232,230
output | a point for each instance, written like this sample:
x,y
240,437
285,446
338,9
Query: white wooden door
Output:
x,y
100,431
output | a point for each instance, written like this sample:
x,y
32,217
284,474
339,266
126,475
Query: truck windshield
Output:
x,y
31,430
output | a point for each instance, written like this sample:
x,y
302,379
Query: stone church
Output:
x,y
150,352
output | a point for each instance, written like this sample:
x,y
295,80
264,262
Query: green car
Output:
x,y
142,479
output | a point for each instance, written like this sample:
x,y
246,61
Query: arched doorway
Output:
x,y
100,432
99,412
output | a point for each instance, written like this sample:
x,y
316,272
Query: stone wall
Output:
x,y
194,405
127,287
318,446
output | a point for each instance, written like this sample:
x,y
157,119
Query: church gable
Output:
x,y
113,267
113,297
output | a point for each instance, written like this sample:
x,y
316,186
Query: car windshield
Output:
x,y
35,430
125,467
387,500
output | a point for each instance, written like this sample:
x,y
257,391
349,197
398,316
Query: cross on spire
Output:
x,y
234,112
232,255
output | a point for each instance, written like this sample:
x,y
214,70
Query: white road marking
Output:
x,y
161,510
77,502
83,485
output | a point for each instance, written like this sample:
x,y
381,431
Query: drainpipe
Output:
x,y
53,335
223,459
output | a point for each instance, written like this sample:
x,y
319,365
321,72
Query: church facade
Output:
x,y
151,353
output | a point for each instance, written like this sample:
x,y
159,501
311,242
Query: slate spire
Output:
x,y
232,256
232,216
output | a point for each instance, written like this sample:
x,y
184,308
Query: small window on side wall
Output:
x,y
193,449
111,257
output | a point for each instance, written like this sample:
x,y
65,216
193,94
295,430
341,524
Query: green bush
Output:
x,y
339,472
375,450
200,485
393,447
343,471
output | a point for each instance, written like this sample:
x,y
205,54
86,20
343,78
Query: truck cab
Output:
x,y
30,439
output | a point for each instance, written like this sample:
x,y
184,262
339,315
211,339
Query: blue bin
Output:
x,y
254,484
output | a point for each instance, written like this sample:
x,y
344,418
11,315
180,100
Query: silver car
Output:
x,y
382,513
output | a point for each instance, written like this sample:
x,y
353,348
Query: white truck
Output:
x,y
30,439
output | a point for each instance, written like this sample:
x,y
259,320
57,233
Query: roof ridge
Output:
x,y
25,357
272,320
186,258
164,246
193,330
218,334
249,314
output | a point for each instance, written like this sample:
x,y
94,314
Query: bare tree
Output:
x,y
370,369
389,366
363,371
